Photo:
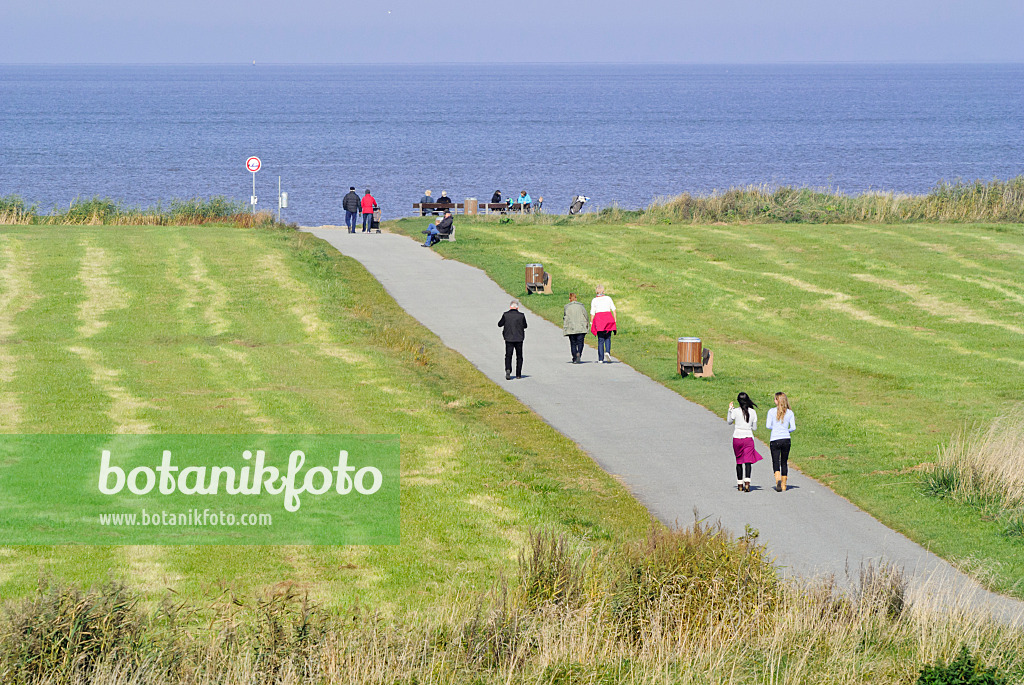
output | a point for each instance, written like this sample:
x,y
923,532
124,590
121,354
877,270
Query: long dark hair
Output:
x,y
746,404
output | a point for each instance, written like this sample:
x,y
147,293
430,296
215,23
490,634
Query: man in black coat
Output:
x,y
350,203
513,329
445,227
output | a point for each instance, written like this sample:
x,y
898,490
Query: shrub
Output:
x,y
962,670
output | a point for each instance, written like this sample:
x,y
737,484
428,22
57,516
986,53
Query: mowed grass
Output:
x,y
221,330
887,339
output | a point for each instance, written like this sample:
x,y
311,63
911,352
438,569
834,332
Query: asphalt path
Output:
x,y
673,455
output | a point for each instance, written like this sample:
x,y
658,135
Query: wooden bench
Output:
x,y
430,207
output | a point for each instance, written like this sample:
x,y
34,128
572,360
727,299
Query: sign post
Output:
x,y
253,164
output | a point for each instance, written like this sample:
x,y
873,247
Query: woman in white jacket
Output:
x,y
781,422
745,419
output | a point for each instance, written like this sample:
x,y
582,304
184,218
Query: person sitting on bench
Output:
x,y
441,229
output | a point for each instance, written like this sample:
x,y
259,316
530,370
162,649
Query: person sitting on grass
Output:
x,y
441,227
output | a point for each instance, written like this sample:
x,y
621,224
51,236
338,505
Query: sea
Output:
x,y
623,135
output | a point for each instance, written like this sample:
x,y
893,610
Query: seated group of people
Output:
x,y
524,200
428,200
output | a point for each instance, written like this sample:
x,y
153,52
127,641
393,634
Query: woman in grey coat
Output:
x,y
575,324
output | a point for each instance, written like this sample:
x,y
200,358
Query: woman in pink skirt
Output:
x,y
745,419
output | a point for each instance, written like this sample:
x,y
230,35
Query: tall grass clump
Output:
x,y
99,211
984,467
978,201
699,578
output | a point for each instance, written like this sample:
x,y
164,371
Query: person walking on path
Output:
x,y
745,419
350,203
575,324
513,329
782,422
369,205
602,323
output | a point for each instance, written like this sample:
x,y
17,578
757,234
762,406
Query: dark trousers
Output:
x,y
576,344
367,221
780,455
518,348
604,344
350,220
740,469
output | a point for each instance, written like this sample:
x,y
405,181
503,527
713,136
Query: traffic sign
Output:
x,y
253,164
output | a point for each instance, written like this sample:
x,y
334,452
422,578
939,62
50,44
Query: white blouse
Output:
x,y
744,429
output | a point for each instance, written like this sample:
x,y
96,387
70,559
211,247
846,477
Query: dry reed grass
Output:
x,y
984,467
106,212
701,623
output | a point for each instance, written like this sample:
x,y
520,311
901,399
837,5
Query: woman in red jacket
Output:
x,y
369,205
602,323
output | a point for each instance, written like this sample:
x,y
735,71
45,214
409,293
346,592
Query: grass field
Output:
x,y
222,330
886,338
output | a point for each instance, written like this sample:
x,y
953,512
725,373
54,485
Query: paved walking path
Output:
x,y
672,454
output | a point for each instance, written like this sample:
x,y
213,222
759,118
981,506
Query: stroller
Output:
x,y
577,204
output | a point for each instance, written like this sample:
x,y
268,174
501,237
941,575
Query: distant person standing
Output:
x,y
513,329
350,203
745,419
496,198
540,204
575,324
369,205
425,200
782,422
602,323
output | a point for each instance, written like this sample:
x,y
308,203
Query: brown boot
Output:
x,y
778,482
783,484
746,486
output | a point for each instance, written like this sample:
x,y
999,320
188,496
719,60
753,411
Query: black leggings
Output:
x,y
780,455
740,470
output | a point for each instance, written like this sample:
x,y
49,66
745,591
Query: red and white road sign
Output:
x,y
253,164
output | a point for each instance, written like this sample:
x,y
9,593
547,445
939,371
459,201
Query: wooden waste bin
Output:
x,y
691,357
537,280
471,206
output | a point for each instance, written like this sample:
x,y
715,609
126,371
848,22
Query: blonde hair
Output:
x,y
783,403
599,290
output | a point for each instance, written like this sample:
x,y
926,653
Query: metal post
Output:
x,y
253,191
278,199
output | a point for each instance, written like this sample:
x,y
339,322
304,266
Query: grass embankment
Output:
x,y
887,338
687,607
199,330
99,211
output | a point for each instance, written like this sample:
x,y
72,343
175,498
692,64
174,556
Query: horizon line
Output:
x,y
251,62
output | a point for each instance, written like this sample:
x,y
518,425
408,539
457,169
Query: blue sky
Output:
x,y
325,31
